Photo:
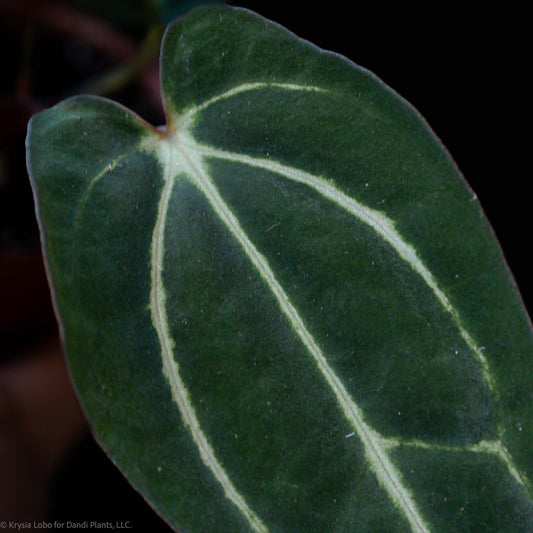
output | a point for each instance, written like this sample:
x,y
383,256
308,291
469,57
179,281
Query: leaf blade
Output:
x,y
230,167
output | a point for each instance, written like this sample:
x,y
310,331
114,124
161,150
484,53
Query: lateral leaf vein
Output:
x,y
171,371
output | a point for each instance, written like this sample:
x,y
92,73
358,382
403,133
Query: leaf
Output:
x,y
286,311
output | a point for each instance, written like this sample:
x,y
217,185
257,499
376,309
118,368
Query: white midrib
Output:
x,y
170,367
386,473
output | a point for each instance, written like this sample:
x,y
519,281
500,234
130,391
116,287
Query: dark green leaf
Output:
x,y
287,311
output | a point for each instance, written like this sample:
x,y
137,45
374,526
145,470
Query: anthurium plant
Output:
x,y
285,310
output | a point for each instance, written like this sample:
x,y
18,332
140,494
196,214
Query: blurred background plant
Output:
x,y
50,467
444,61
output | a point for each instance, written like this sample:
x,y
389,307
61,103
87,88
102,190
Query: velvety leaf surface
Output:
x,y
285,312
